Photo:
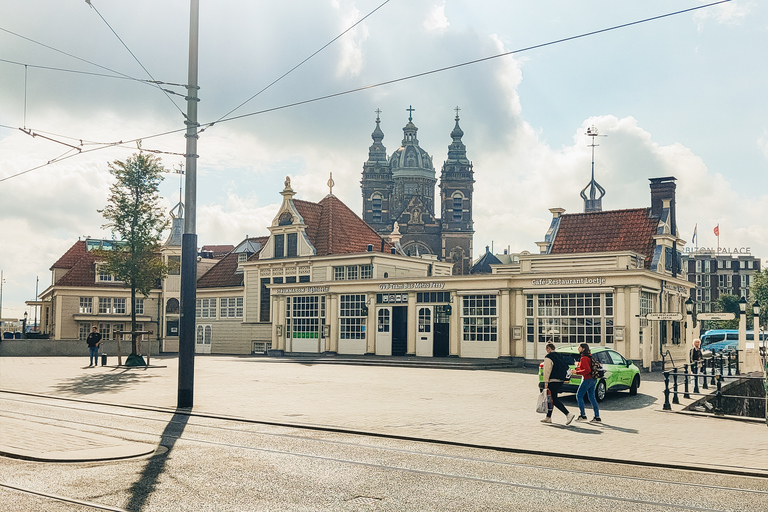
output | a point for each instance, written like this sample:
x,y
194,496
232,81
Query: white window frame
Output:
x,y
105,305
118,306
231,307
86,305
206,308
138,306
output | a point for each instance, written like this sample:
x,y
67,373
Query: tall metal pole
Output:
x,y
185,397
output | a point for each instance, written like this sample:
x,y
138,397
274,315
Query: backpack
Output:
x,y
597,368
559,367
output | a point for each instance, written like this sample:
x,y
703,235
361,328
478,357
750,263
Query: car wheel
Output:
x,y
600,390
635,385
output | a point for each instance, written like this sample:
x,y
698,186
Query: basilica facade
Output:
x,y
399,197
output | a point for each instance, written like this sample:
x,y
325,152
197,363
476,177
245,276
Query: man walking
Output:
x,y
94,340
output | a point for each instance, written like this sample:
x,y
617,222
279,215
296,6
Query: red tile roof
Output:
x,y
613,230
224,273
218,250
72,255
333,228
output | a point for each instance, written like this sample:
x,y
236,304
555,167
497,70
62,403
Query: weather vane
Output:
x,y
331,184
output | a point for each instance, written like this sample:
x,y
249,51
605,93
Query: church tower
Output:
x,y
456,188
377,184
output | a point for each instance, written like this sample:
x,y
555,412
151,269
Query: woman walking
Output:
x,y
587,386
554,376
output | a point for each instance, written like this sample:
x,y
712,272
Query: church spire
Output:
x,y
593,203
377,152
457,151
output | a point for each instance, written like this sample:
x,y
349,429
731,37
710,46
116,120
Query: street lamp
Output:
x,y
756,308
743,305
24,326
689,306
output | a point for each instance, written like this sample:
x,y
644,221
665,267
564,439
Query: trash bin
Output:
x,y
103,359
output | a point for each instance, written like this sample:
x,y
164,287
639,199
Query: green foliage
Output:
x,y
134,216
727,303
759,292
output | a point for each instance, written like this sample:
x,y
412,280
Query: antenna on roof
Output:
x,y
594,203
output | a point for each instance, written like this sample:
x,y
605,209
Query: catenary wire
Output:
x,y
305,60
388,82
90,3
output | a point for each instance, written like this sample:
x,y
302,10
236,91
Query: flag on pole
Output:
x,y
693,241
717,230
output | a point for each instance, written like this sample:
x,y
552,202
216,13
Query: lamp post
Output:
x,y
690,322
24,326
742,327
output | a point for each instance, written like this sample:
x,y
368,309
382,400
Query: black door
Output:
x,y
440,340
399,330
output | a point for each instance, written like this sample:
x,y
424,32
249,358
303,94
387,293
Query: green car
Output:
x,y
620,373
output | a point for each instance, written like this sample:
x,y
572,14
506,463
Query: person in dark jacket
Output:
x,y
94,340
554,377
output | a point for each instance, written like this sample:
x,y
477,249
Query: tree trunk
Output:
x,y
133,316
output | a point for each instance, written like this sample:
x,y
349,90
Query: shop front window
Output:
x,y
351,318
479,318
570,318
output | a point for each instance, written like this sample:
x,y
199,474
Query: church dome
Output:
x,y
410,159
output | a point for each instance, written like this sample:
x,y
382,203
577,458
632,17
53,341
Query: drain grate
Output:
x,y
364,500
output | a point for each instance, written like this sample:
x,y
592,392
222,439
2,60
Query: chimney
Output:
x,y
661,189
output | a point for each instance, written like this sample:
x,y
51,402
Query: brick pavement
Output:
x,y
492,408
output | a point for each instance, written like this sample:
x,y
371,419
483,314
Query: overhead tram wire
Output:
x,y
359,89
467,63
135,58
301,63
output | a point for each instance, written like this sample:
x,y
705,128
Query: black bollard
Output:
x,y
719,401
666,407
704,378
685,388
714,370
675,400
737,363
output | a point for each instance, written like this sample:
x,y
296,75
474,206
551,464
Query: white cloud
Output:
x,y
436,20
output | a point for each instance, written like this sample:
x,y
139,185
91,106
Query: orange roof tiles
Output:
x,y
614,230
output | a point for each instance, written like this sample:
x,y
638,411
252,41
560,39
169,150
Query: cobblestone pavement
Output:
x,y
489,408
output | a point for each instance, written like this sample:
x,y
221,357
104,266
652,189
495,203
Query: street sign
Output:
x,y
715,316
675,317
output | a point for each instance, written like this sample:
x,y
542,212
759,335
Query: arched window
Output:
x,y
376,207
458,206
285,219
172,306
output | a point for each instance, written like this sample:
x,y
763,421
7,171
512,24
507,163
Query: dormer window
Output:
x,y
242,257
285,219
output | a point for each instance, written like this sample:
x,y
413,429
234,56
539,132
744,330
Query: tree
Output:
x,y
134,215
727,303
759,292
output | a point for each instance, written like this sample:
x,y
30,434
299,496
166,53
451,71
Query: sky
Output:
x,y
680,96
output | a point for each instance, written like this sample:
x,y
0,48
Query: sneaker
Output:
x,y
581,418
569,418
547,420
596,420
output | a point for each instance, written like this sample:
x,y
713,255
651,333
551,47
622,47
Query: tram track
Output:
x,y
566,474
379,435
60,499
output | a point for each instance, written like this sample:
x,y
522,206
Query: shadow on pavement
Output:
x,y
620,401
143,488
102,382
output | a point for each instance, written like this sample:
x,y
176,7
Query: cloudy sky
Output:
x,y
680,96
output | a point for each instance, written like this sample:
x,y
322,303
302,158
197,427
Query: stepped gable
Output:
x,y
613,230
333,228
72,255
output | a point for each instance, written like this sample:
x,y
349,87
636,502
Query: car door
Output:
x,y
623,375
610,369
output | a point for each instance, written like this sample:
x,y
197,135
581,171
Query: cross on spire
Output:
x,y
457,112
378,111
410,109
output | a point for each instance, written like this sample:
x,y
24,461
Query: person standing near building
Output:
x,y
94,340
587,386
555,370
696,356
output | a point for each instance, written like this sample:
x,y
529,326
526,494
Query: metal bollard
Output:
x,y
714,370
685,388
675,400
737,363
704,378
719,401
666,407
